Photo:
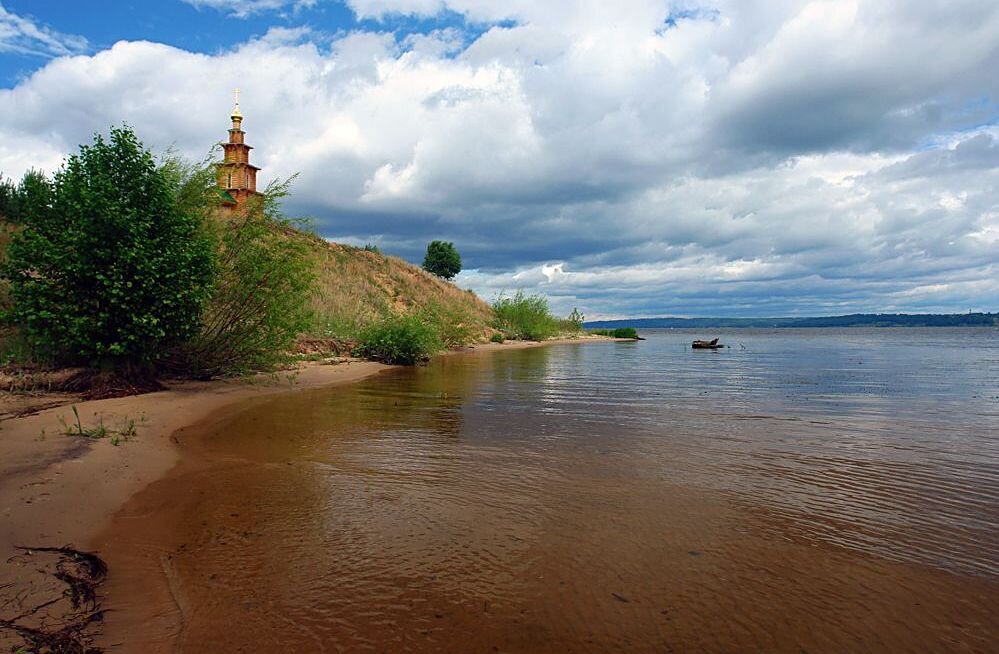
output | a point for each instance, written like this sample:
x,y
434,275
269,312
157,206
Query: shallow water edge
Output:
x,y
619,497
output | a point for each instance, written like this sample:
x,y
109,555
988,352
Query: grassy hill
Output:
x,y
357,288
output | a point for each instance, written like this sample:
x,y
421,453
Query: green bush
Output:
x,y
404,340
620,332
106,267
625,332
259,301
497,338
525,317
15,350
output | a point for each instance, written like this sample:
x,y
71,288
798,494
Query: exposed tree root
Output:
x,y
100,385
61,624
91,384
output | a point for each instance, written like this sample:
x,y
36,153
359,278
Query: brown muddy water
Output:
x,y
803,491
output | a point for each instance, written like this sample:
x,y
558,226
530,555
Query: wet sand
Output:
x,y
423,513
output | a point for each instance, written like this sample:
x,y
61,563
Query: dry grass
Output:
x,y
357,288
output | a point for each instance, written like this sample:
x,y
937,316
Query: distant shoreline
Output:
x,y
845,321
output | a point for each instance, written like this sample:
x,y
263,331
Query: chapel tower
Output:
x,y
236,177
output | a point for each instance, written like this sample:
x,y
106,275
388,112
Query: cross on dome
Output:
x,y
235,110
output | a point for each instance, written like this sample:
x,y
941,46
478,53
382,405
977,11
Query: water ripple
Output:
x,y
797,491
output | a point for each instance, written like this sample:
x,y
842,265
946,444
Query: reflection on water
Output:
x,y
804,490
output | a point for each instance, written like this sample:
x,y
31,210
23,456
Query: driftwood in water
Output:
x,y
713,344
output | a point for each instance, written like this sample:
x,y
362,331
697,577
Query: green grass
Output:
x,y
123,434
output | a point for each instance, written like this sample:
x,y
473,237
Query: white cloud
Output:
x,y
22,35
244,8
769,158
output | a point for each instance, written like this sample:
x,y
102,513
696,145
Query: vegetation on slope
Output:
x,y
404,340
358,288
259,302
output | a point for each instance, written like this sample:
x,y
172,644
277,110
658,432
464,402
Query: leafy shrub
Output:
x,y
15,350
625,332
573,324
442,259
404,340
106,267
620,332
497,338
525,317
371,247
259,301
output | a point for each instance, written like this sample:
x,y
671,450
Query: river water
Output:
x,y
799,491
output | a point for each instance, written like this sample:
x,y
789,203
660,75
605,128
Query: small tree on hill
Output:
x,y
442,259
106,267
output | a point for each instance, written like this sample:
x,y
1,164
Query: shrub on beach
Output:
x,y
404,340
573,324
525,317
8,198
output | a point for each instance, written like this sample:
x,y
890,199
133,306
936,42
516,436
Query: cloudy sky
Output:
x,y
632,158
